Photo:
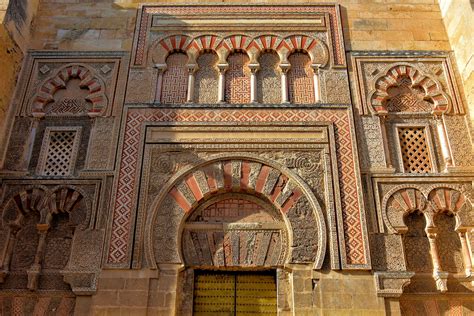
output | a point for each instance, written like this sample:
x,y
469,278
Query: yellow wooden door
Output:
x,y
214,294
255,294
221,293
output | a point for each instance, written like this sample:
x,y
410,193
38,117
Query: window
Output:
x,y
59,151
414,150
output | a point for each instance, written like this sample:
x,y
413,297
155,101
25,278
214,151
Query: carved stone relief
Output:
x,y
234,230
207,75
269,79
459,140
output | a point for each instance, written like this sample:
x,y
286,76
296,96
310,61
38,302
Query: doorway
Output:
x,y
234,293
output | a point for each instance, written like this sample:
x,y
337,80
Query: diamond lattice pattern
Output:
x,y
60,152
415,154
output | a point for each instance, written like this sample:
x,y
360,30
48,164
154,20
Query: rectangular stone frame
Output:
x,y
351,215
25,90
326,142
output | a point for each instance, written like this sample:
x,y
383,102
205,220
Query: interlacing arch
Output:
x,y
88,80
431,88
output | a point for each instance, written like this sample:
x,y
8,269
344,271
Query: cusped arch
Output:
x,y
451,201
400,202
249,174
162,48
316,49
88,80
432,88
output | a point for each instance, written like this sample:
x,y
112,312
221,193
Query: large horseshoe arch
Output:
x,y
246,176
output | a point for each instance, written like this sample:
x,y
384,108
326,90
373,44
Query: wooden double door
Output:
x,y
235,293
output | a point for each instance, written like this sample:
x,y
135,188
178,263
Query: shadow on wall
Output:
x,y
18,19
16,13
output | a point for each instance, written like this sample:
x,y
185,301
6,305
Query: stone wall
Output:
x,y
145,161
374,25
10,58
458,16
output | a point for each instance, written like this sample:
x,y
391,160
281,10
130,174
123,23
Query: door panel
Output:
x,y
230,293
255,294
214,294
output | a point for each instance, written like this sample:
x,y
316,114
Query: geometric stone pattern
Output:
x,y
207,75
36,304
457,306
404,97
237,79
124,199
300,79
268,79
461,148
415,153
175,80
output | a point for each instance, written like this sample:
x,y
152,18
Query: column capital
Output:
x,y
160,67
222,67
254,67
192,68
316,68
285,68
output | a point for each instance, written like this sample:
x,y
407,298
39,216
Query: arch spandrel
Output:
x,y
248,174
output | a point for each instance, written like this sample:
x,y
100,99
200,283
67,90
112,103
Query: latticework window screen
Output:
x,y
415,150
59,152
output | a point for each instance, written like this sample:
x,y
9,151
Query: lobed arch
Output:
x,y
431,87
403,200
89,80
244,173
237,42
